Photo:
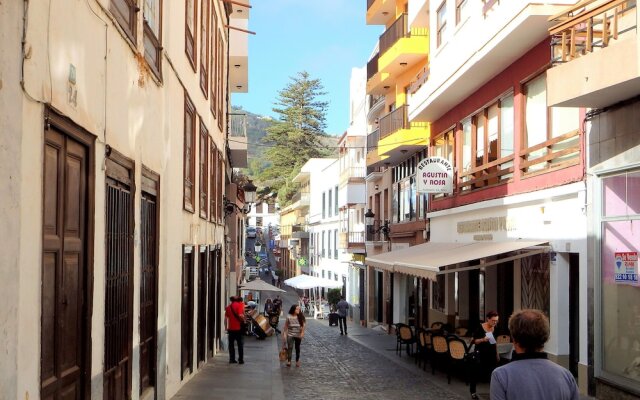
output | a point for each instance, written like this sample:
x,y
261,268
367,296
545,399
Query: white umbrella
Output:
x,y
259,285
309,282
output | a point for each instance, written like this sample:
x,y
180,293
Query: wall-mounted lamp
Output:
x,y
238,86
372,230
249,198
237,65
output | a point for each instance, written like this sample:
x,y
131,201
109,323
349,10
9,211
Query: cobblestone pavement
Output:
x,y
338,367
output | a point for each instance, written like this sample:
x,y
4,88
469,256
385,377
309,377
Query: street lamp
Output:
x,y
249,197
369,222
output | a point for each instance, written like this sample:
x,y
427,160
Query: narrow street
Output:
x,y
356,366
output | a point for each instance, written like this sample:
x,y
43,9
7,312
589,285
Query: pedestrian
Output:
x,y
530,375
268,307
277,304
293,333
486,352
234,324
343,309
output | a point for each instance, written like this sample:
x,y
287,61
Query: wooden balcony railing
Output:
x,y
372,66
394,121
583,28
486,175
395,32
559,152
372,140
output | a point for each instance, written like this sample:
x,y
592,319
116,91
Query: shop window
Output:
x,y
551,134
191,13
125,12
619,276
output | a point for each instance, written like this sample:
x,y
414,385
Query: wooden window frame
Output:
x,y
128,23
459,4
440,28
203,163
156,41
221,99
220,176
214,62
213,171
191,39
204,55
189,157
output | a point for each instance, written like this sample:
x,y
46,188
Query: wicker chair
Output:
x,y
503,339
405,337
457,355
439,352
462,332
423,342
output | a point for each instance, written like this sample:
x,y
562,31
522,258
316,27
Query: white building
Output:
x,y
114,159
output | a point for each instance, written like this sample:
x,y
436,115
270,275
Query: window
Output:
x,y
189,157
330,200
462,11
219,79
324,204
557,127
335,244
125,12
329,244
204,47
214,172
152,15
191,13
335,210
323,248
442,23
619,307
204,170
220,179
214,62
438,293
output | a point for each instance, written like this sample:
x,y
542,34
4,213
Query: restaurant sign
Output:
x,y
435,175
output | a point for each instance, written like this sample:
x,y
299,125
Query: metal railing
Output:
x,y
375,233
372,140
238,124
370,3
581,30
394,121
372,66
395,32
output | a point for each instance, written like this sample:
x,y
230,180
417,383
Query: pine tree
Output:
x,y
296,136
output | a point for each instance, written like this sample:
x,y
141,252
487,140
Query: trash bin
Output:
x,y
333,319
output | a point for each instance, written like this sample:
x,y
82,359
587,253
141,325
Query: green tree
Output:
x,y
297,135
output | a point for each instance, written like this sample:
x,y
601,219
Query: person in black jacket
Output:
x,y
487,351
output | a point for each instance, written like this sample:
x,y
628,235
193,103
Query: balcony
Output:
x,y
375,234
239,48
594,52
351,241
299,232
375,79
474,53
402,48
238,139
380,11
300,199
397,137
353,174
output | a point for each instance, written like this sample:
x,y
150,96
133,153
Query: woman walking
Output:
x,y
294,332
485,346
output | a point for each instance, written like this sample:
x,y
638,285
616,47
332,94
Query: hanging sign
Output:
x,y
434,175
626,267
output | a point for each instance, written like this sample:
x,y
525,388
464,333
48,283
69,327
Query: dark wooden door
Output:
x,y
118,322
187,313
202,305
148,289
217,314
505,296
64,339
211,288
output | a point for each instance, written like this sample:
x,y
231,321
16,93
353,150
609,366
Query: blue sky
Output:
x,y
325,38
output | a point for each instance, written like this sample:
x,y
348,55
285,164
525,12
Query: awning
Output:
x,y
429,259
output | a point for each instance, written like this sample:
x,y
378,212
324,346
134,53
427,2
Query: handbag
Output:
x,y
283,354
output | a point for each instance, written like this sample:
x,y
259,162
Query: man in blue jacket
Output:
x,y
530,375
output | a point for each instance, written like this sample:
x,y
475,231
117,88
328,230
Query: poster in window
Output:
x,y
626,267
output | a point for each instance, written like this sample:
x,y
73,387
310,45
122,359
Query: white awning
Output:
x,y
429,259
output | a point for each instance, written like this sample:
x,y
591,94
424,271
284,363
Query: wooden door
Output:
x,y
211,288
65,337
217,313
118,316
202,305
187,312
148,281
